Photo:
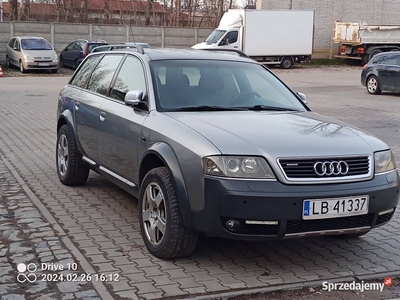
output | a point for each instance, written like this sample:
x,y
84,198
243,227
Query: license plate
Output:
x,y
336,207
44,64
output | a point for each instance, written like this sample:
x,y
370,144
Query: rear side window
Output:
x,y
92,46
11,43
82,76
100,80
391,60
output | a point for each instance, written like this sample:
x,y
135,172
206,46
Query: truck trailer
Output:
x,y
360,42
272,37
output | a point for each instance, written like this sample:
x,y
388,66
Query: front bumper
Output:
x,y
41,65
241,200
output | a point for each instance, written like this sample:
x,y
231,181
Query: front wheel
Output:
x,y
21,67
373,86
8,64
160,218
71,170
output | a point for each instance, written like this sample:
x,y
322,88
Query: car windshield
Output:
x,y
215,85
35,44
215,36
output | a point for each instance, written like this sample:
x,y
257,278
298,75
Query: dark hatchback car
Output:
x,y
382,73
75,52
217,144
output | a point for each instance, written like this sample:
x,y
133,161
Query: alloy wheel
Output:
x,y
154,214
62,155
372,85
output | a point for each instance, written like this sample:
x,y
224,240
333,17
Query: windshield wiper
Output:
x,y
260,107
207,108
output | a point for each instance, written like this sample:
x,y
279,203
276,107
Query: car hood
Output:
x,y
279,134
203,45
40,53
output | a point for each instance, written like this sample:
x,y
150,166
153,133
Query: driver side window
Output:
x,y
230,37
263,87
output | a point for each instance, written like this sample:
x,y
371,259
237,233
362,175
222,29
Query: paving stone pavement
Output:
x,y
15,72
26,237
101,219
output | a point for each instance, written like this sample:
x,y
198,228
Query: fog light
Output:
x,y
232,224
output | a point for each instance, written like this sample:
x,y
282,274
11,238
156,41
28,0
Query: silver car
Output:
x,y
217,144
31,53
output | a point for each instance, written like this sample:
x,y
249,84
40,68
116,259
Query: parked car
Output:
x,y
382,73
119,46
31,53
216,143
75,52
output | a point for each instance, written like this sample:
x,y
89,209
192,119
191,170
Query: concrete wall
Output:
x,y
61,34
374,12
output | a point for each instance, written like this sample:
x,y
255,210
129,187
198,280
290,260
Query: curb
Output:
x,y
294,286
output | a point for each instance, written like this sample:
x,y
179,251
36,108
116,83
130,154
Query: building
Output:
x,y
374,12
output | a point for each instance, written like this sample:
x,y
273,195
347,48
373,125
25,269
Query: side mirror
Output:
x,y
133,98
228,42
302,97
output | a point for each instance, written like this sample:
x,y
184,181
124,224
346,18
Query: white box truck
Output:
x,y
360,42
269,36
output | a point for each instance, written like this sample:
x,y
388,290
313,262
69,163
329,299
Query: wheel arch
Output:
x,y
161,155
66,118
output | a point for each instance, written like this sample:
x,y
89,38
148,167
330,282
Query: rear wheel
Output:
x,y
160,217
71,170
61,62
286,62
373,86
8,62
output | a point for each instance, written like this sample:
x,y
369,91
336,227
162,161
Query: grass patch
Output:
x,y
327,62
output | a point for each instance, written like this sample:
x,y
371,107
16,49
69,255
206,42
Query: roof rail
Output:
x,y
241,54
123,46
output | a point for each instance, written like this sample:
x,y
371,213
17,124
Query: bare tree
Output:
x,y
83,16
13,10
24,10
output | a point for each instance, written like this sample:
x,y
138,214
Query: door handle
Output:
x,y
102,116
77,105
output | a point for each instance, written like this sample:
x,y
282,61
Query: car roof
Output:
x,y
30,37
387,53
182,54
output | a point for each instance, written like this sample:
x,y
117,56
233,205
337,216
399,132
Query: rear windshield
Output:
x,y
92,46
35,44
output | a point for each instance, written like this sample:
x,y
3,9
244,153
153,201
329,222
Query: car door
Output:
x,y
121,126
17,54
397,75
387,72
10,51
86,109
67,54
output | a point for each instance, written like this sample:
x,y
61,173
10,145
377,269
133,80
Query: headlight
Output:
x,y
237,166
384,161
28,58
55,57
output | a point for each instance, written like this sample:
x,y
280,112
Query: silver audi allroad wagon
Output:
x,y
214,143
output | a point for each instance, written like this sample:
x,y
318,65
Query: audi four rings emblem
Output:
x,y
329,168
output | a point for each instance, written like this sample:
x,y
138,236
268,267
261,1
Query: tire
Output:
x,y
176,240
21,67
73,171
61,62
286,62
77,63
373,86
373,53
54,71
8,64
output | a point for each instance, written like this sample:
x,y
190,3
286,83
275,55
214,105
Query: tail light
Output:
x,y
342,49
360,50
85,50
365,66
